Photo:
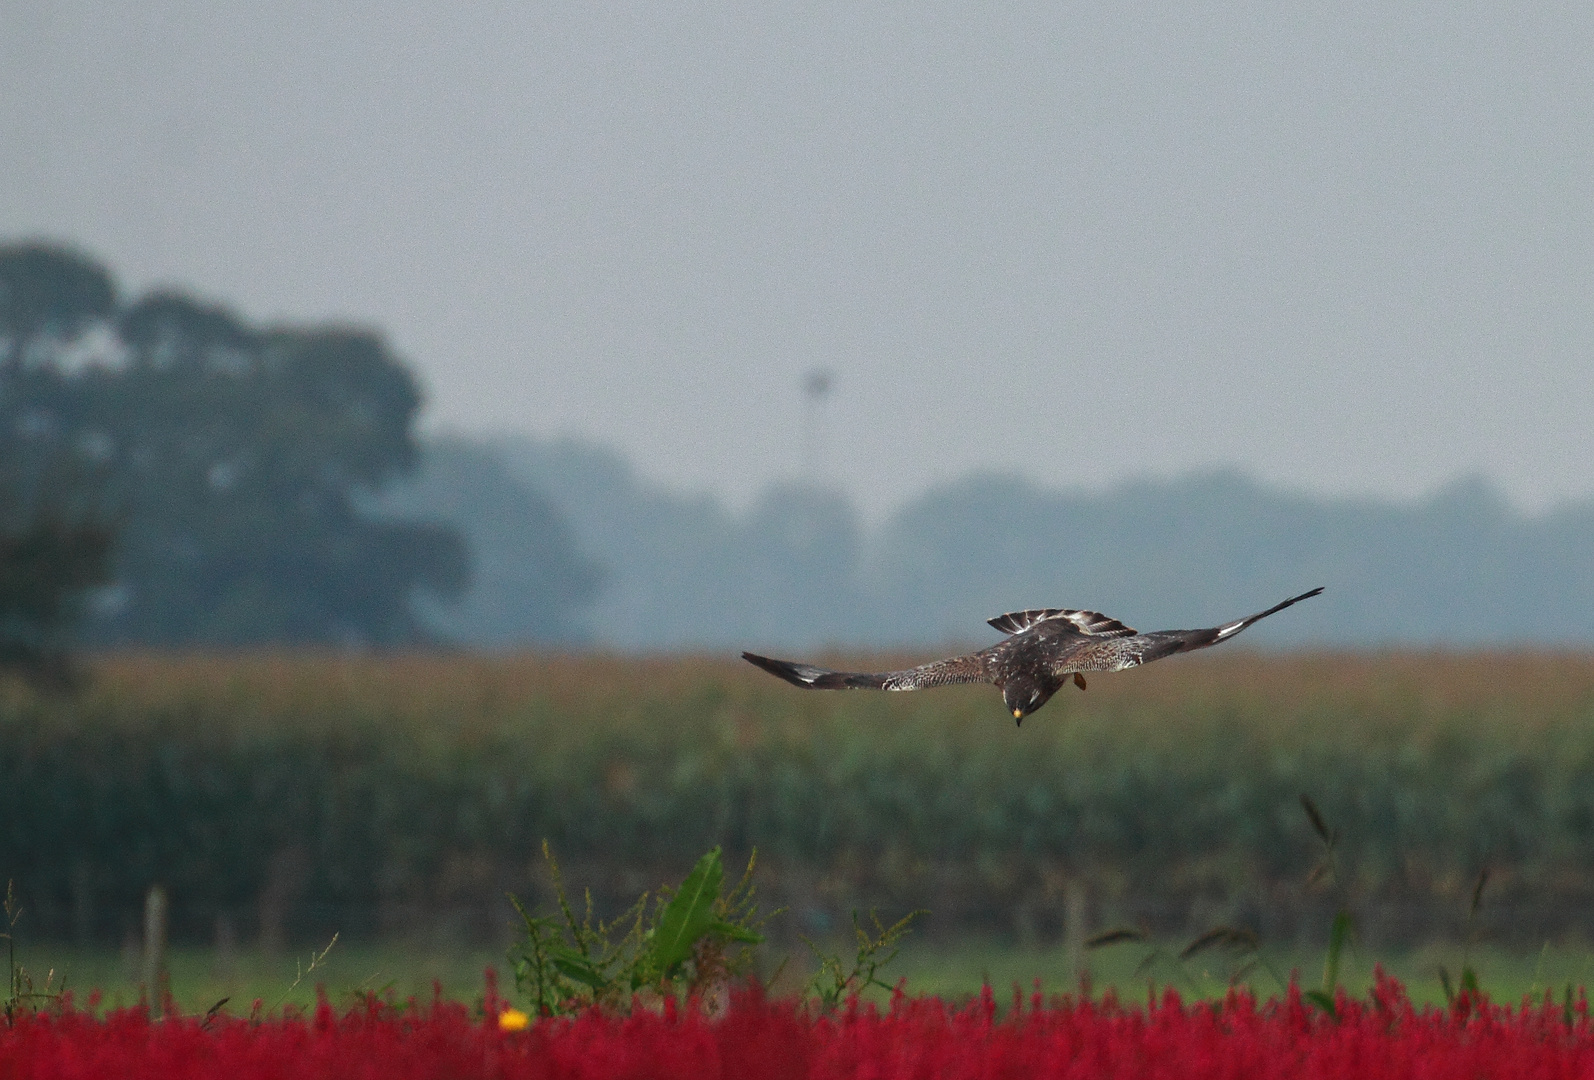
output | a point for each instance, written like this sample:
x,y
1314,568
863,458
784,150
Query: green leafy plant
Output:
x,y
833,982
21,994
1469,975
1245,948
686,938
1343,926
1338,937
317,960
1240,946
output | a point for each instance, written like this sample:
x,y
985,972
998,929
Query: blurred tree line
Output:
x,y
177,476
172,475
800,568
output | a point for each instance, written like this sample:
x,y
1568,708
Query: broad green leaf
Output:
x,y
734,932
1337,939
582,971
689,914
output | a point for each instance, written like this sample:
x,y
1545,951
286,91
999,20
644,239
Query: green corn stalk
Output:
x,y
676,941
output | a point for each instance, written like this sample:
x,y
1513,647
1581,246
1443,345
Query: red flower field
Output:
x,y
1381,1036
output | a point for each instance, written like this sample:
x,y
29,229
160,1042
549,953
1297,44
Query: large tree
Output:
x,y
54,547
230,458
47,566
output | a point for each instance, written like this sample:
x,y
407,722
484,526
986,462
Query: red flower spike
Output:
x,y
1380,1037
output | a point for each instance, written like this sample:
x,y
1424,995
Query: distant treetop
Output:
x,y
230,459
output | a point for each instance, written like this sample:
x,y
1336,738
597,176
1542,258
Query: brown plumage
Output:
x,y
1044,649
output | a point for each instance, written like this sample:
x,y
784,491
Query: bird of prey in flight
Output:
x,y
1044,649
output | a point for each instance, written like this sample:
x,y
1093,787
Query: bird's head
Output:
x,y
1024,694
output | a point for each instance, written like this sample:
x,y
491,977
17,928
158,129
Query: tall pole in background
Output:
x,y
817,385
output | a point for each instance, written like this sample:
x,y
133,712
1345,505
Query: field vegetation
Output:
x,y
289,796
1381,1034
954,971
275,798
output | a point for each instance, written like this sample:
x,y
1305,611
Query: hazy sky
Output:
x,y
1349,249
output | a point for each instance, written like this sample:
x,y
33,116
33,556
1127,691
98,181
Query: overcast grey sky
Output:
x,y
1349,249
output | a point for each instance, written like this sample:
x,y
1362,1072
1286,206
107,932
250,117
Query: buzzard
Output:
x,y
1044,649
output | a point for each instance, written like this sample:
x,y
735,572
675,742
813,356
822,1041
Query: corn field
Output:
x,y
293,794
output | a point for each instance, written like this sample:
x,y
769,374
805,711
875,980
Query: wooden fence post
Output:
x,y
155,949
1076,929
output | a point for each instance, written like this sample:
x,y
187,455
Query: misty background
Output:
x,y
801,570
1166,310
193,478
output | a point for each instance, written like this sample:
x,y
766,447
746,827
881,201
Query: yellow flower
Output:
x,y
513,1020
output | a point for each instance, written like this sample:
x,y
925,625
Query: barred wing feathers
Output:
x,y
958,669
1116,654
1043,648
1093,623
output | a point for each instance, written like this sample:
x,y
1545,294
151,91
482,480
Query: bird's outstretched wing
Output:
x,y
1093,623
1115,654
956,669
